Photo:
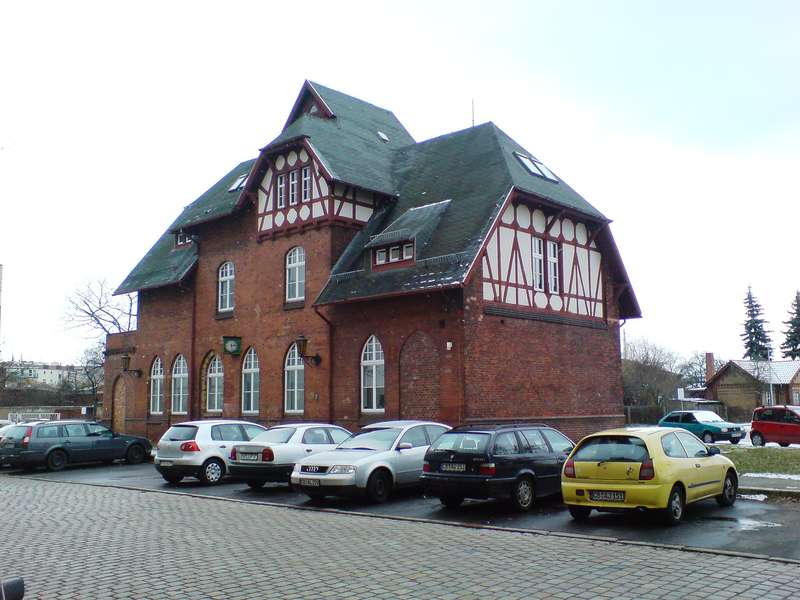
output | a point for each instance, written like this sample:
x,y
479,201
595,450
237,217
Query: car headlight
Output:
x,y
724,430
342,470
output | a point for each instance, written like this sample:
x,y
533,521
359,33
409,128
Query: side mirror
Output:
x,y
713,451
404,446
12,589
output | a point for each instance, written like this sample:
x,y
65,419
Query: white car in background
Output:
x,y
201,448
271,455
376,460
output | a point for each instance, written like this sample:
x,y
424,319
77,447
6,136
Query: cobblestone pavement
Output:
x,y
81,542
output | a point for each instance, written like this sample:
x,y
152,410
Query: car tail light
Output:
x,y
190,446
27,439
487,469
569,468
267,455
233,453
426,467
647,471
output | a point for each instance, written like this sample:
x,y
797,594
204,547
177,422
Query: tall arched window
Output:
x,y
295,274
214,383
250,379
157,387
225,287
372,376
180,386
294,381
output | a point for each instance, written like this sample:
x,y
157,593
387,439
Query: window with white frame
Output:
x,y
182,238
538,263
225,287
281,188
295,274
293,188
293,381
380,257
250,381
552,266
372,396
157,387
394,253
306,183
180,386
408,251
214,383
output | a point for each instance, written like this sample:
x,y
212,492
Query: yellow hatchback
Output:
x,y
653,468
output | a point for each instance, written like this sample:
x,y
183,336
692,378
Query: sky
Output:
x,y
679,121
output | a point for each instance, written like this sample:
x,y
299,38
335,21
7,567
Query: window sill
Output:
x,y
294,304
373,411
179,414
215,411
220,316
293,412
250,412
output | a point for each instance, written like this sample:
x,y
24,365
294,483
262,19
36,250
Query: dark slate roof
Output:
x,y
163,265
417,224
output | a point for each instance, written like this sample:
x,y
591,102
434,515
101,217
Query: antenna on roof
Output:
x,y
473,112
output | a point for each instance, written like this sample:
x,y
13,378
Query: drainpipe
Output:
x,y
192,374
330,359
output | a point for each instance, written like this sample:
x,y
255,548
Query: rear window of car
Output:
x,y
278,435
181,433
617,448
472,443
16,433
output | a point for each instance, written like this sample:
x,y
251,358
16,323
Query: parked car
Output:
x,y
520,462
779,424
201,449
5,422
271,455
376,460
55,444
12,589
705,424
653,468
3,430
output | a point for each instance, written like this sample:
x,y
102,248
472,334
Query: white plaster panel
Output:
x,y
267,181
336,204
279,219
316,210
523,216
260,222
506,241
323,187
488,291
304,212
292,158
303,155
555,302
583,271
508,215
582,308
580,233
491,254
511,295
268,207
280,162
572,305
526,257
267,224
522,297
538,221
568,229
593,244
347,210
291,216
567,259
262,201
555,230
594,270
363,213
540,299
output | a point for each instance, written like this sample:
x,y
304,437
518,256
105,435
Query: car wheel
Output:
x,y
172,478
212,472
56,460
675,506
783,444
134,455
708,438
255,484
757,439
735,441
728,495
452,501
523,494
379,486
579,513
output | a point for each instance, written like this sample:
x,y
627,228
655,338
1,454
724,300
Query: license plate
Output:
x,y
247,457
166,463
310,482
736,434
453,467
605,496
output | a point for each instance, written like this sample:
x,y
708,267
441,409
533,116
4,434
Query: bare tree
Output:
x,y
95,308
649,373
693,369
91,371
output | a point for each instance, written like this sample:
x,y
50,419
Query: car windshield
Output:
x,y
706,416
469,442
181,433
372,439
607,448
277,435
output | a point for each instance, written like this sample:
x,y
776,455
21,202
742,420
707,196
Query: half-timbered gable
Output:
x,y
419,276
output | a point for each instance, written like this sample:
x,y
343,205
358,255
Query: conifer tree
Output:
x,y
757,343
791,345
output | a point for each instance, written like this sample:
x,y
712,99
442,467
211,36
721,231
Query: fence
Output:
x,y
34,416
650,414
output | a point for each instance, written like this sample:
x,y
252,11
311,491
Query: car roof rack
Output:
x,y
494,424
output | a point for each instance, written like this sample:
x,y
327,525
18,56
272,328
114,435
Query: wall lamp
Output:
x,y
126,363
302,344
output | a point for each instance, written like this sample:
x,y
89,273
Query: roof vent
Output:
x,y
383,136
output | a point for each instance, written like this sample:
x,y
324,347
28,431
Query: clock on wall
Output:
x,y
232,345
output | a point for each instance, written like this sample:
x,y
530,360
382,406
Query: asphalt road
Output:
x,y
750,526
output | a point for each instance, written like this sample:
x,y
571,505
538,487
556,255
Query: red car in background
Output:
x,y
779,424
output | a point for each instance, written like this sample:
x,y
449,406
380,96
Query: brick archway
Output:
x,y
119,399
419,378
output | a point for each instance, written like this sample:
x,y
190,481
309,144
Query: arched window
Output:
x,y
293,381
214,383
157,387
295,274
180,386
225,287
250,382
372,376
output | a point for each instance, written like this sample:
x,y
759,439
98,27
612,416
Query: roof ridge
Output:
x,y
317,87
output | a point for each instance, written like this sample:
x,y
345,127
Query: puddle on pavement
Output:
x,y
744,524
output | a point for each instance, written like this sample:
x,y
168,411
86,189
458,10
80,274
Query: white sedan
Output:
x,y
271,455
376,460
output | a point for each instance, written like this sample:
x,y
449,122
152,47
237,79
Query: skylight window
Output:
x,y
239,183
535,167
383,136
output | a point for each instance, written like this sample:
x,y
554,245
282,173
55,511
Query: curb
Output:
x,y
580,536
770,491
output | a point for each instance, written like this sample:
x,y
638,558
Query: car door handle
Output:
x,y
67,442
697,465
226,447
309,450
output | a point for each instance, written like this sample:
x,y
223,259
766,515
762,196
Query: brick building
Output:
x,y
350,274
742,385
